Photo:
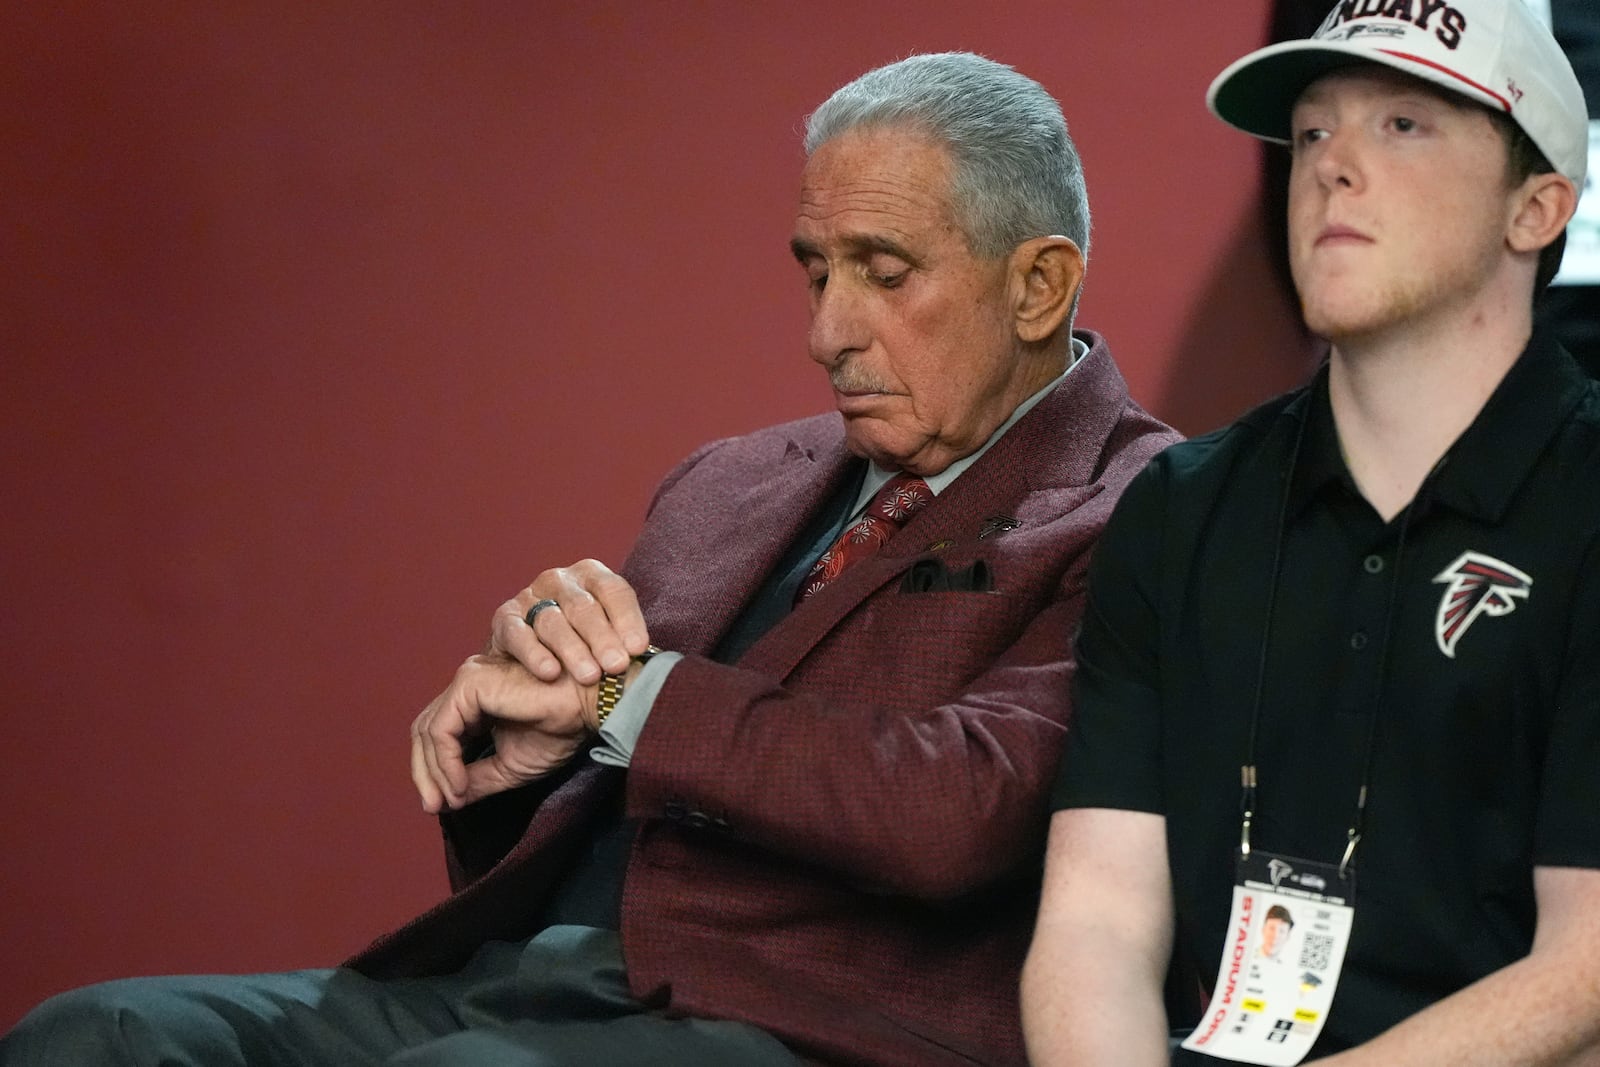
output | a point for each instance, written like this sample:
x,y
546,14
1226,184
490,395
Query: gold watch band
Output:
x,y
611,687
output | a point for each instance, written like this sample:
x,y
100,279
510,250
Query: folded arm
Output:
x,y
849,771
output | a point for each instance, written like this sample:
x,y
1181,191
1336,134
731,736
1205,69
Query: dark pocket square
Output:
x,y
932,576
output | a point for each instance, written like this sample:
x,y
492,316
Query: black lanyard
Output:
x,y
1247,771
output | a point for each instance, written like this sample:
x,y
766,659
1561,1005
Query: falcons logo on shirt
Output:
x,y
1479,585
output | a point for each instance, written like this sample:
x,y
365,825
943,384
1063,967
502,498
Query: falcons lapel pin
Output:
x,y
997,524
1478,585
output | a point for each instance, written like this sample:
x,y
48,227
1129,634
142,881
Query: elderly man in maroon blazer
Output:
x,y
774,793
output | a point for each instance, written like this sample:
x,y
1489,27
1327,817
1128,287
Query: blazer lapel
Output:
x,y
744,542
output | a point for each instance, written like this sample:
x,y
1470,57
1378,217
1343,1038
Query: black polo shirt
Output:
x,y
1462,638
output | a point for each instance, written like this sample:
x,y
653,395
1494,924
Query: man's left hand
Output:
x,y
536,726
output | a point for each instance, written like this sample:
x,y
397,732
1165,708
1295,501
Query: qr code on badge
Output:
x,y
1316,952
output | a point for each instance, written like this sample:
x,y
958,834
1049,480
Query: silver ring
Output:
x,y
533,612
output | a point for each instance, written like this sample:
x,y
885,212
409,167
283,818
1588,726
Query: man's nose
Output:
x,y
1338,163
838,325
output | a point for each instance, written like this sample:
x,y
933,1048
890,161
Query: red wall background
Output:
x,y
324,327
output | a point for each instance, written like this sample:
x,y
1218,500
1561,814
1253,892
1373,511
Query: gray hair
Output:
x,y
1017,174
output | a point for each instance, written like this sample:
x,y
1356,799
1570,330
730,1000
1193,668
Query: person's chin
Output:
x,y
865,437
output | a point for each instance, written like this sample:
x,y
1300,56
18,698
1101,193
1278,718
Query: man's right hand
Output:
x,y
594,625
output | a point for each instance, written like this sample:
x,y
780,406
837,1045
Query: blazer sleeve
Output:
x,y
478,836
854,766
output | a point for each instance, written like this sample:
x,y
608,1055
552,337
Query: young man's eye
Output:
x,y
1404,124
1309,135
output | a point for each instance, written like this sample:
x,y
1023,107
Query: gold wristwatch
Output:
x,y
611,686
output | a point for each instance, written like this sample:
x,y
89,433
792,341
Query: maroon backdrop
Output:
x,y
323,327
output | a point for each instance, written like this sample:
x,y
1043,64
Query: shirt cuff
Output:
x,y
621,730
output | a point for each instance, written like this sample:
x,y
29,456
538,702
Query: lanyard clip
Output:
x,y
1352,838
1247,805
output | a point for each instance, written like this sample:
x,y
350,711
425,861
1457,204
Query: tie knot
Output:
x,y
889,509
900,498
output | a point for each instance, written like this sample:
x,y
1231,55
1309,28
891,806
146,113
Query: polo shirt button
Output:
x,y
1358,640
1373,563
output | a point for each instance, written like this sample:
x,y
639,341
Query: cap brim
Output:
x,y
1257,93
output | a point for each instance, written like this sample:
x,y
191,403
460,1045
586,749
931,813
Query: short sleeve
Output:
x,y
1113,752
1568,833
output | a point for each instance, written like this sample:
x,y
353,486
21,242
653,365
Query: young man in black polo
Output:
x,y
1343,657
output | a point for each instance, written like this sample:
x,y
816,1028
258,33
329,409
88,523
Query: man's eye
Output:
x,y
1404,124
816,282
888,281
1309,135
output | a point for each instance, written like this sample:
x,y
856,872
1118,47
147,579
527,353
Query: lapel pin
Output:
x,y
997,524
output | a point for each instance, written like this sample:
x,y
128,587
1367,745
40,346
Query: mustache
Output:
x,y
849,378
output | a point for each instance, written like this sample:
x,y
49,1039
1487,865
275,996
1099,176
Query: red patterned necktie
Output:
x,y
900,498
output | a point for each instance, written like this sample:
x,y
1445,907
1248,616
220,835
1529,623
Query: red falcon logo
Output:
x,y
1479,585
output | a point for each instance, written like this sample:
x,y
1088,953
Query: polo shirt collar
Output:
x,y
1487,464
1319,461
1483,469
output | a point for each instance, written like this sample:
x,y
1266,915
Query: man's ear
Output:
x,y
1046,273
1545,203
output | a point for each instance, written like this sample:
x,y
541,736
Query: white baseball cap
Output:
x,y
1496,52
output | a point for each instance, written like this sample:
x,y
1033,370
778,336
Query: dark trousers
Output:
x,y
558,1000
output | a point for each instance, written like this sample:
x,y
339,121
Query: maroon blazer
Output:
x,y
842,831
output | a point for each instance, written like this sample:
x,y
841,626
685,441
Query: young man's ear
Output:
x,y
1046,275
1545,205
